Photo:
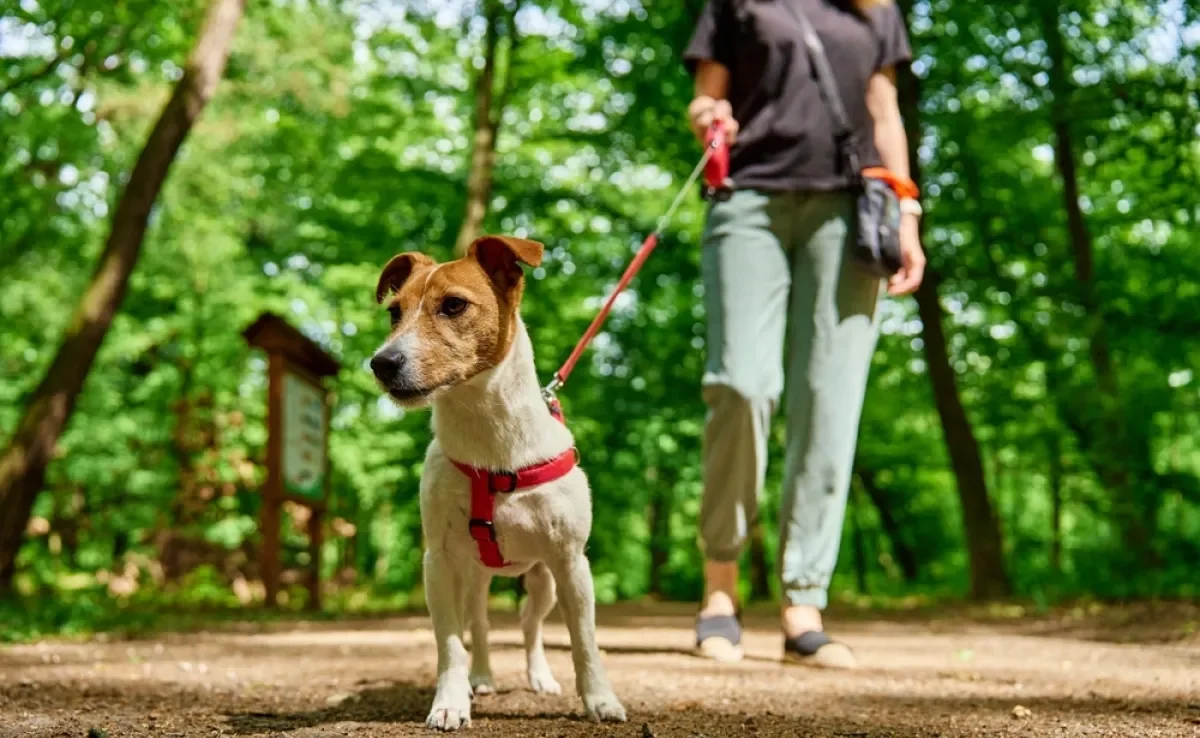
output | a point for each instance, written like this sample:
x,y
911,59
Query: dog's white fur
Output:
x,y
498,420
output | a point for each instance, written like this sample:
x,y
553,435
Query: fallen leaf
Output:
x,y
1021,712
334,700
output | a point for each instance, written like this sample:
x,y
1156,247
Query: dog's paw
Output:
x,y
542,681
482,684
604,707
449,714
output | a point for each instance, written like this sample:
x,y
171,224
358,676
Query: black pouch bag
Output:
x,y
877,242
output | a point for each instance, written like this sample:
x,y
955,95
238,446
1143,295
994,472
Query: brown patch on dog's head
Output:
x,y
450,321
397,271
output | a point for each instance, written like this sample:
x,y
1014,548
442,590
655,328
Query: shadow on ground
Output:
x,y
401,703
875,715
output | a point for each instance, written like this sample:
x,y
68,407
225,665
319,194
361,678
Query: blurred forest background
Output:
x,y
1032,425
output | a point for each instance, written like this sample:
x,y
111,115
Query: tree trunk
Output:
x,y
23,465
120,546
989,579
1116,457
998,484
489,111
760,568
660,535
1055,472
905,557
366,557
860,540
985,551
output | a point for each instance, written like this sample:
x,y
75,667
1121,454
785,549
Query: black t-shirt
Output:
x,y
786,142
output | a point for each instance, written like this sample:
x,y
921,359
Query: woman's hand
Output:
x,y
908,279
892,143
704,111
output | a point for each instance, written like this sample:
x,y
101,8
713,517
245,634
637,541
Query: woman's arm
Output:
x,y
892,143
712,80
890,139
712,87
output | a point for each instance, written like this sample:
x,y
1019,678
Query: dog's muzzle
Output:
x,y
387,365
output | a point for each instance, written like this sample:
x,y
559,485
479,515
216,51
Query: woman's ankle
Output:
x,y
797,619
720,588
717,603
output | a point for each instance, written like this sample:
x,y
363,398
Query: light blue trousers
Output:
x,y
777,273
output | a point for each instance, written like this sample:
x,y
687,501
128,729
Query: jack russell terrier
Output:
x,y
501,492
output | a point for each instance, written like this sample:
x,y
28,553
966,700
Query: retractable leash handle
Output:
x,y
717,184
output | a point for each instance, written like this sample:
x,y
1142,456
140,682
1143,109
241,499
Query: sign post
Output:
x,y
297,443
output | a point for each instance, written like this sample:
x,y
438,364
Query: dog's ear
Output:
x,y
397,272
501,258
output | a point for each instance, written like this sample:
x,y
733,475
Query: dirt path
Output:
x,y
922,678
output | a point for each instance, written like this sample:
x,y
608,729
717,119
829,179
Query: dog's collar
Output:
x,y
486,484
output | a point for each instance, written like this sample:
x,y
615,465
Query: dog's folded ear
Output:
x,y
501,257
397,272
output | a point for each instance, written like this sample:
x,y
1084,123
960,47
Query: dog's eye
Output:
x,y
394,311
453,306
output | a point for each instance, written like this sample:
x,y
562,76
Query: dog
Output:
x,y
501,491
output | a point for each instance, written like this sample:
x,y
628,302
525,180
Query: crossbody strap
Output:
x,y
842,132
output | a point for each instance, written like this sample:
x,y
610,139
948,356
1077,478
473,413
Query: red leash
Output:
x,y
486,484
715,165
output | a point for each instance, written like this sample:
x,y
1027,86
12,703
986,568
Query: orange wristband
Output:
x,y
904,187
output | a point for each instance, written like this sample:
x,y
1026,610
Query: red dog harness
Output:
x,y
485,485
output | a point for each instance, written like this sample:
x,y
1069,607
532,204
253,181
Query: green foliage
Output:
x,y
341,135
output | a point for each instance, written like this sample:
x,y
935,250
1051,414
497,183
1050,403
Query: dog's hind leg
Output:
x,y
444,595
540,586
478,585
574,577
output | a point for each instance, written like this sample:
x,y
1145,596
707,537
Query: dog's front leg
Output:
x,y
540,585
444,596
578,600
478,584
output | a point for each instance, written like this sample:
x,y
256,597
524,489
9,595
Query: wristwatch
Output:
x,y
911,206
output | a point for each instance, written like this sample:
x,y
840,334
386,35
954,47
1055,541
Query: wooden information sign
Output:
x,y
297,443
304,430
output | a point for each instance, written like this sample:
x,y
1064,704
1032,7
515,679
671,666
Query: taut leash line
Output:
x,y
714,164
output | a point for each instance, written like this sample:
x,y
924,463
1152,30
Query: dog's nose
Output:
x,y
386,365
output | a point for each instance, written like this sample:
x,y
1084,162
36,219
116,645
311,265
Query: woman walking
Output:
x,y
778,271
